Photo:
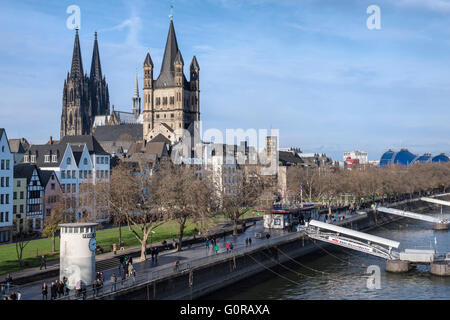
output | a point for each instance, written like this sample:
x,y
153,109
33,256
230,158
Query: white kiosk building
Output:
x,y
77,253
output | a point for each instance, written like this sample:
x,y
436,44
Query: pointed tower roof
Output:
x,y
148,60
136,88
194,63
179,57
96,68
76,70
166,76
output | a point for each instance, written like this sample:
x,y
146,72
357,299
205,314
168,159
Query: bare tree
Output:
x,y
57,216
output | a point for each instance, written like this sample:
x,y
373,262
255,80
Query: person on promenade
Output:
x,y
130,269
216,249
207,244
99,285
66,288
246,242
9,281
113,282
19,295
124,276
44,291
249,241
52,291
176,265
60,289
43,263
231,247
228,246
13,296
156,254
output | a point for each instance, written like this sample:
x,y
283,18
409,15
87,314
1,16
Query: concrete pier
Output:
x,y
440,268
440,226
397,266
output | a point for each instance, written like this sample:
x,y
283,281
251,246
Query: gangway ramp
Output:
x,y
352,239
438,223
436,201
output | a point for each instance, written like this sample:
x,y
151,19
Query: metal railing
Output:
x,y
151,274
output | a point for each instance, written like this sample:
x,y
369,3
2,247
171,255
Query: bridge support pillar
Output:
x,y
397,266
440,268
440,226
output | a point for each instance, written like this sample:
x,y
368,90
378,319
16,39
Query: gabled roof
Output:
x,y
40,150
18,145
25,170
46,175
91,143
289,157
161,138
158,148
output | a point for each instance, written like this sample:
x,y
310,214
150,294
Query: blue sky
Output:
x,y
310,68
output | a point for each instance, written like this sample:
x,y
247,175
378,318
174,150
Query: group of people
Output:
x,y
58,288
97,284
126,270
13,295
212,243
248,242
154,253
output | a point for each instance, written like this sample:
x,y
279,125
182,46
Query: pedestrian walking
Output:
x,y
176,265
52,291
43,263
246,242
207,244
9,281
216,248
156,254
44,291
113,282
249,241
228,247
231,247
60,289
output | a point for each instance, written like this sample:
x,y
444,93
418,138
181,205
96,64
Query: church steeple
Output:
x,y
136,99
76,70
166,76
96,68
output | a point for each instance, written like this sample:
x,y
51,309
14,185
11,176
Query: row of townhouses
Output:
x,y
33,180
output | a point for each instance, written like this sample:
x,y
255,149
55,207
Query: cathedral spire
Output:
x,y
167,68
76,70
136,99
96,68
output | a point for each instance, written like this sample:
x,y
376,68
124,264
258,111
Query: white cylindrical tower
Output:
x,y
77,253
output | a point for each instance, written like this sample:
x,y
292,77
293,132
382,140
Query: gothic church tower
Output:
x,y
83,97
171,102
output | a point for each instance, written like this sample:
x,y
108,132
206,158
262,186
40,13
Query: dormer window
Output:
x,y
54,158
47,158
33,159
25,158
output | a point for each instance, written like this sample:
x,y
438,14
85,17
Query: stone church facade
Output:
x,y
171,102
83,97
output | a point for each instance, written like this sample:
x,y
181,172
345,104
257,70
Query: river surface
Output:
x,y
345,276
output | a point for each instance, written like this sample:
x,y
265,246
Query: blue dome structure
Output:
x,y
426,157
440,158
386,158
405,158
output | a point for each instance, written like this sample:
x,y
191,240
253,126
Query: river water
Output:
x,y
344,275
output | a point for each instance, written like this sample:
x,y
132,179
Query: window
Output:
x,y
158,101
157,116
14,195
33,159
63,174
52,186
85,174
21,194
172,100
171,115
80,174
106,160
3,165
47,158
21,208
14,209
3,148
74,174
85,161
97,160
69,161
102,160
7,181
54,158
68,174
18,183
165,101
6,216
2,181
25,158
7,164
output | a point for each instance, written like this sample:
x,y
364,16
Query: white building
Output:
x,y
75,160
360,155
6,188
